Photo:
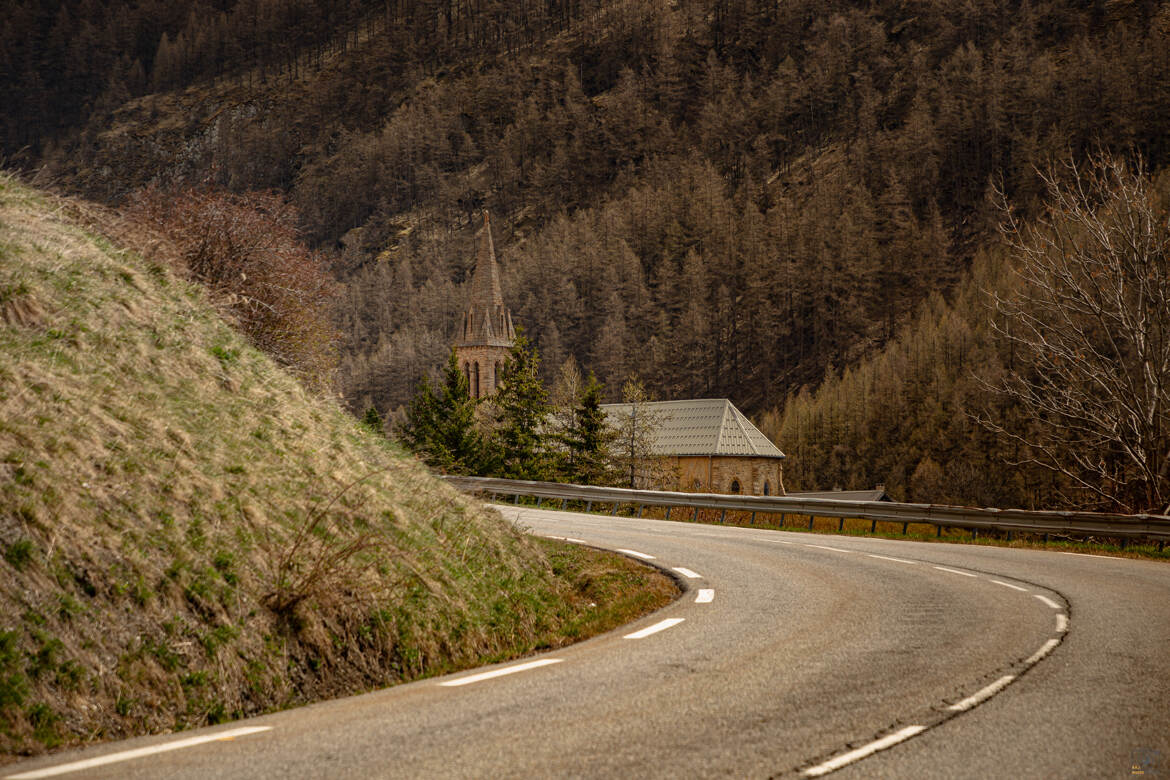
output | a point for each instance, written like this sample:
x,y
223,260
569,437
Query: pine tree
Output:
x,y
587,442
522,406
441,425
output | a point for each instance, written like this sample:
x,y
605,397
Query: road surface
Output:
x,y
788,655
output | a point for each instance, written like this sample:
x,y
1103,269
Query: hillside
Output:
x,y
189,536
725,197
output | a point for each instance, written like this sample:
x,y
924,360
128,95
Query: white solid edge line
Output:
x,y
1044,599
1061,623
983,694
706,596
654,629
1009,585
1043,651
127,755
955,571
888,558
690,575
823,547
500,672
636,554
890,740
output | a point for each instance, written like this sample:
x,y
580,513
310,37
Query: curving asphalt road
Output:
x,y
789,655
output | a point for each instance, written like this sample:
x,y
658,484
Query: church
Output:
x,y
706,444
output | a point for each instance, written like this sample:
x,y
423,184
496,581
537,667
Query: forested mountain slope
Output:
x,y
724,196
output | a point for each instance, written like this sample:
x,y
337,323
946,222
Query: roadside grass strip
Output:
x,y
983,694
887,741
654,629
127,755
474,678
706,596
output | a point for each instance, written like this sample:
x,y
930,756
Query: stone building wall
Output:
x,y
488,361
718,474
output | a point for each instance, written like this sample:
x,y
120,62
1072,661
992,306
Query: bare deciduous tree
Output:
x,y
1089,325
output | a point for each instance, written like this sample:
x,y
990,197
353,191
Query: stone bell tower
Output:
x,y
486,334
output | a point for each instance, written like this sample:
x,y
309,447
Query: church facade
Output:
x,y
486,334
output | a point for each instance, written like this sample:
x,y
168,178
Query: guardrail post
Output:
x,y
516,499
1045,538
563,500
841,525
1009,536
873,526
722,515
539,502
668,513
974,534
614,512
493,498
938,532
588,507
752,521
783,519
810,522
904,527
695,516
640,508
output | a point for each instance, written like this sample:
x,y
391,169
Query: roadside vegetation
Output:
x,y
189,535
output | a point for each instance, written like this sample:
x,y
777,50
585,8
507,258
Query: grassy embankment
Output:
x,y
189,536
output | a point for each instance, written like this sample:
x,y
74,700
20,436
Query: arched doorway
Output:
x,y
735,488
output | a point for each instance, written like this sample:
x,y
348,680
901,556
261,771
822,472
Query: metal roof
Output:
x,y
700,426
877,494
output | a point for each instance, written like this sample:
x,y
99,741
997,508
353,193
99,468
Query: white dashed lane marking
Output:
x,y
1043,651
1061,623
127,755
888,558
1046,600
654,629
824,547
955,571
636,554
690,575
890,740
474,678
983,694
706,596
1009,585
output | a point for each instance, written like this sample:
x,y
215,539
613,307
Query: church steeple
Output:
x,y
486,333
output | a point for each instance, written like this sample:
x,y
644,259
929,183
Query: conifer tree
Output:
x,y
587,442
521,405
441,425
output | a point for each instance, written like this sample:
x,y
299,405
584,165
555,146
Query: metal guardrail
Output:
x,y
1156,527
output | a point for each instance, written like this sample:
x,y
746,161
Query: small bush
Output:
x,y
19,553
245,247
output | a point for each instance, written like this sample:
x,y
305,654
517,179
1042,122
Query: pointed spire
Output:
x,y
485,284
486,320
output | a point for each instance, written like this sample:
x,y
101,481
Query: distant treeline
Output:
x,y
722,196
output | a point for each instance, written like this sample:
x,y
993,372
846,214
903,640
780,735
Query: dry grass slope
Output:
x,y
189,536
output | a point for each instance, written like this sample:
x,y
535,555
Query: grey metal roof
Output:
x,y
877,494
700,426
